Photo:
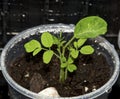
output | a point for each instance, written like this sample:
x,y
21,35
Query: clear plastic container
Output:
x,y
119,39
14,48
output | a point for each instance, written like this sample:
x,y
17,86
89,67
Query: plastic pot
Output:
x,y
14,48
119,39
0,54
118,81
2,80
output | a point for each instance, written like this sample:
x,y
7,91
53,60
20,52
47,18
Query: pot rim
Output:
x,y
52,27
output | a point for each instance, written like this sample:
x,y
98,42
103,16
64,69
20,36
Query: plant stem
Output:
x,y
56,55
63,72
66,73
62,75
61,78
67,44
44,49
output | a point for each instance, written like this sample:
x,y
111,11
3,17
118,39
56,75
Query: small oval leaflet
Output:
x,y
30,48
47,39
87,49
36,51
47,56
70,60
71,67
74,53
55,39
63,65
80,42
75,45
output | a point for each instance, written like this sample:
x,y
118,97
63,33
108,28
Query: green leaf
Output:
x,y
47,56
71,67
74,53
63,59
63,65
70,60
32,46
90,27
80,42
87,49
47,39
56,40
75,45
36,51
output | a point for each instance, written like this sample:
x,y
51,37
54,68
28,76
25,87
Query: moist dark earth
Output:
x,y
30,72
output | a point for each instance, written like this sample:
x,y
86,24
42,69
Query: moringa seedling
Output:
x,y
88,27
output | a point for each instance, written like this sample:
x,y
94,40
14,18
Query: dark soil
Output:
x,y
30,72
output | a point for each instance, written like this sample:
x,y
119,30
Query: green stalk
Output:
x,y
56,55
68,44
66,73
62,75
63,72
61,78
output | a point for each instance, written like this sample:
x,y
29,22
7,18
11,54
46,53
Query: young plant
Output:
x,y
89,27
